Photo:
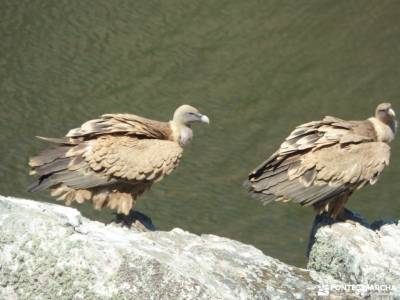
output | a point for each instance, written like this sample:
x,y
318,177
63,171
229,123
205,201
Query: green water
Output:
x,y
257,68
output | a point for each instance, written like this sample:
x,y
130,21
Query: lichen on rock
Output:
x,y
49,251
358,254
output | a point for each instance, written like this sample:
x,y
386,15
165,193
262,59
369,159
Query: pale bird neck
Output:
x,y
384,132
181,133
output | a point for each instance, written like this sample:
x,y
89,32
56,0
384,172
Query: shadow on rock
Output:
x,y
135,219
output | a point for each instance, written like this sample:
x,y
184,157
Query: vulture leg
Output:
x,y
333,209
337,209
137,218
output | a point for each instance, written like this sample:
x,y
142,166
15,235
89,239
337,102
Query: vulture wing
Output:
x,y
122,124
109,170
110,160
319,162
131,159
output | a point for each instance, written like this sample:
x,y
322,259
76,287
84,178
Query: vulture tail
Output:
x,y
52,162
35,186
63,141
260,196
263,181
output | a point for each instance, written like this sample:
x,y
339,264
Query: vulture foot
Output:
x,y
135,219
349,217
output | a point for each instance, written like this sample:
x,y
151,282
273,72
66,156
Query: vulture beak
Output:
x,y
205,119
391,113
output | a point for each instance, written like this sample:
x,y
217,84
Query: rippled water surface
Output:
x,y
257,68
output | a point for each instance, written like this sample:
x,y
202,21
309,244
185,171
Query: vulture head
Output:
x,y
385,113
184,116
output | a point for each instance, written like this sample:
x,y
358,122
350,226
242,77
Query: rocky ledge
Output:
x,y
49,251
364,256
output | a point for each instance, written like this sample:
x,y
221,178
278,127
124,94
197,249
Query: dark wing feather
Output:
x,y
64,164
316,161
79,168
126,124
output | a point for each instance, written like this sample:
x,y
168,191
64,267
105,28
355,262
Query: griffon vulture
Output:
x,y
322,163
112,160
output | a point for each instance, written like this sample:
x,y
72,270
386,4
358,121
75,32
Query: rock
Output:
x,y
49,251
358,254
321,221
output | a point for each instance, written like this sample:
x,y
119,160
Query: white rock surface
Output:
x,y
360,255
49,251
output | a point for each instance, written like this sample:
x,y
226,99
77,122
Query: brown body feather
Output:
x,y
321,163
109,161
